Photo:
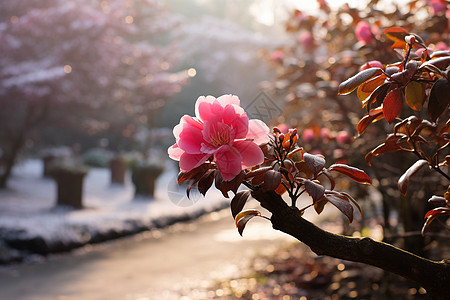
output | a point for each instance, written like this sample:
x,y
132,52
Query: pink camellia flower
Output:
x,y
363,32
437,6
277,55
307,40
221,129
344,137
308,135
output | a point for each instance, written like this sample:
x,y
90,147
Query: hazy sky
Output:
x,y
263,10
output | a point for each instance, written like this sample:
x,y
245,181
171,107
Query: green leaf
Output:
x,y
439,99
393,104
415,95
404,179
243,217
352,83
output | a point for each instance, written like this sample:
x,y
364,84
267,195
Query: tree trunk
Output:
x,y
11,159
34,114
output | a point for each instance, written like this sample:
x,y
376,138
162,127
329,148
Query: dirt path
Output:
x,y
159,265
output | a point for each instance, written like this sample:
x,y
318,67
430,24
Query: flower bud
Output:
x,y
410,39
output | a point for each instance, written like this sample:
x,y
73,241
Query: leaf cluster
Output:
x,y
421,80
287,169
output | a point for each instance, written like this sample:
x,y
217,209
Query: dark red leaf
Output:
x,y
432,214
352,172
243,217
342,204
352,83
437,200
396,34
439,99
440,53
193,183
352,200
257,172
437,211
320,205
206,182
393,104
391,144
272,180
441,63
330,178
238,202
314,163
372,116
377,96
314,189
404,179
189,175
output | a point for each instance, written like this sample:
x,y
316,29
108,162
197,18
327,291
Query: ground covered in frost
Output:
x,y
31,223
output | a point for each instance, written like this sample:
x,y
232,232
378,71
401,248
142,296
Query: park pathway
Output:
x,y
174,263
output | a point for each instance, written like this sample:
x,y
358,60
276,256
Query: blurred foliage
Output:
x,y
97,157
325,50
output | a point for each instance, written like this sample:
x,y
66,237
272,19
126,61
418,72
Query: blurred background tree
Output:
x,y
85,67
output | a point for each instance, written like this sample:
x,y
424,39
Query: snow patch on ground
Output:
x,y
30,221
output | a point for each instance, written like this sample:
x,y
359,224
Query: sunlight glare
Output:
x,y
191,72
68,69
129,19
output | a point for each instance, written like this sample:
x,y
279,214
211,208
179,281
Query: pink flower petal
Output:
x,y
236,117
228,162
193,121
176,131
229,99
175,152
190,139
258,131
191,161
217,133
251,154
204,107
186,119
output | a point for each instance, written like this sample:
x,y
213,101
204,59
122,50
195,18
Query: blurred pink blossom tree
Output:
x,y
110,56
